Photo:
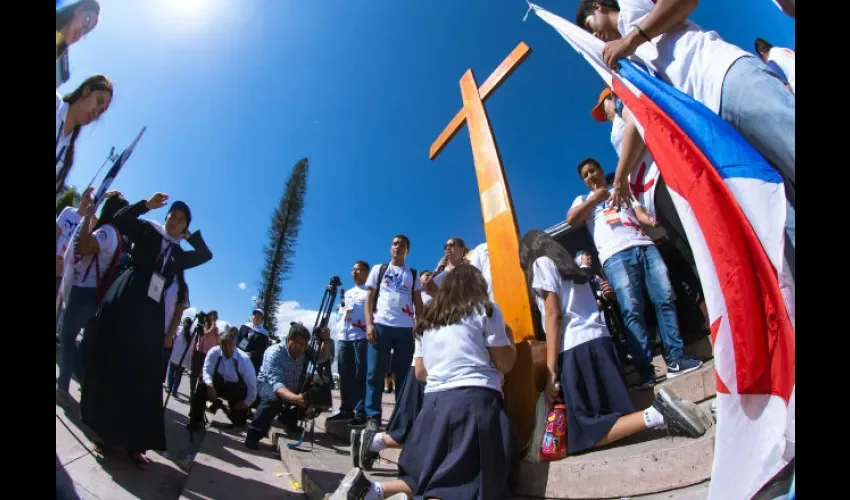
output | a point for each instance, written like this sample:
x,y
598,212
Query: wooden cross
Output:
x,y
500,227
524,382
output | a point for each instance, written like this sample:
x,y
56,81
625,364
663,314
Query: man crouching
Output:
x,y
228,375
280,379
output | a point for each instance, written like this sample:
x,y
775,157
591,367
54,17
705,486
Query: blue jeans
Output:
x,y
61,309
175,373
351,365
79,309
400,340
755,102
630,272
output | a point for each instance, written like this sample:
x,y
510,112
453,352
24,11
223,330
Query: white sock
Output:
x,y
377,443
376,492
653,418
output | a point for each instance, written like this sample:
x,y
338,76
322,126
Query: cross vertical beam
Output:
x,y
524,382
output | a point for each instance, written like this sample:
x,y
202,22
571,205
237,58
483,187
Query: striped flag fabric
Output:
x,y
114,169
732,205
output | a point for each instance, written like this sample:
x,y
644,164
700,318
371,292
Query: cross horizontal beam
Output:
x,y
493,82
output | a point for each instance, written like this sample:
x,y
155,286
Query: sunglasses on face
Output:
x,y
450,244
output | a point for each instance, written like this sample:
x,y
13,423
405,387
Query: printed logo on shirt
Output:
x,y
395,282
359,324
406,310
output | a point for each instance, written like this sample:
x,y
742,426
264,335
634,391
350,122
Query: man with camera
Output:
x,y
227,375
280,378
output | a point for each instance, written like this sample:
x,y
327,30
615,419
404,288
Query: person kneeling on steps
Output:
x,y
228,375
279,380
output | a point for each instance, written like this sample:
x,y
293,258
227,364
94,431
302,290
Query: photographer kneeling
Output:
x,y
280,379
229,375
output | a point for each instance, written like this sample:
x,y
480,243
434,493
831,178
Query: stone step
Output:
x,y
647,463
696,386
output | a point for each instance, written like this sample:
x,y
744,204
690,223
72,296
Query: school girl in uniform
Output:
x,y
122,401
91,257
463,450
581,358
73,112
74,21
366,444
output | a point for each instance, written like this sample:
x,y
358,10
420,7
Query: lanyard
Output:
x,y
164,258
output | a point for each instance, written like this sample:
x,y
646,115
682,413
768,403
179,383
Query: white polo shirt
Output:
x,y
613,231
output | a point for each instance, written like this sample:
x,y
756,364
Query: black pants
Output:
x,y
266,412
166,357
232,392
197,367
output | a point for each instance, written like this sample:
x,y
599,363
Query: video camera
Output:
x,y
201,316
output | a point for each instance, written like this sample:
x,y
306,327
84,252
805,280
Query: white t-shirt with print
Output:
x,y
352,326
86,270
62,140
581,321
67,221
613,231
395,302
786,60
645,175
480,258
689,58
457,356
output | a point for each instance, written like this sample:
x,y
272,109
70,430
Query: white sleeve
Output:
x,y
632,12
495,334
438,279
250,378
372,280
58,102
107,240
546,275
578,201
209,364
417,348
62,216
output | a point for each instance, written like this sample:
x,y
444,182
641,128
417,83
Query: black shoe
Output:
x,y
340,417
354,439
359,421
354,486
680,414
215,406
252,444
645,384
294,428
367,457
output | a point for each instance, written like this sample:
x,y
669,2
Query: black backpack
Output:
x,y
381,278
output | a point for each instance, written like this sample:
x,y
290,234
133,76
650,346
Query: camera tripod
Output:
x,y
317,377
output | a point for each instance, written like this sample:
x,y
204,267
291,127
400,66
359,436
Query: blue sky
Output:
x,y
235,92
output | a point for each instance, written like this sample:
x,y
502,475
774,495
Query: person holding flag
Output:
x,y
725,78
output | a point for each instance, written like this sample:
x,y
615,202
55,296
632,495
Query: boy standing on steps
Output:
x,y
392,303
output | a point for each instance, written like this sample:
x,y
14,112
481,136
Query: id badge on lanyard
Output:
x,y
157,284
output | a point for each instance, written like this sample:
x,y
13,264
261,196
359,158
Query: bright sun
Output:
x,y
189,13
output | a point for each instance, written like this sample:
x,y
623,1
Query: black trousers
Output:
x,y
266,412
232,392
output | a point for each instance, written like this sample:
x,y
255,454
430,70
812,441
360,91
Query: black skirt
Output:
x,y
595,392
461,449
408,406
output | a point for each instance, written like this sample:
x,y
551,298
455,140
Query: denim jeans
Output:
x,y
630,272
61,310
757,104
400,340
351,365
175,374
79,309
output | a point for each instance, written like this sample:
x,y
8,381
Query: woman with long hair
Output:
x,y
122,401
582,361
74,21
462,444
455,250
92,257
73,112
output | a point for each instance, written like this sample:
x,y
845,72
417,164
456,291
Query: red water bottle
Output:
x,y
554,445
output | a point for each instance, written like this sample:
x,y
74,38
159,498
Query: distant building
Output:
x,y
63,71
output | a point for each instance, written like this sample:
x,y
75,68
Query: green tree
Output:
x,y
280,250
67,199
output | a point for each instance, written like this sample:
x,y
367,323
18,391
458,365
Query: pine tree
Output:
x,y
69,198
283,232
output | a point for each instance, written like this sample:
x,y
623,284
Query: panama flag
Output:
x,y
116,167
732,205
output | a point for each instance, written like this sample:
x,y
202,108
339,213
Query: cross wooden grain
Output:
x,y
524,382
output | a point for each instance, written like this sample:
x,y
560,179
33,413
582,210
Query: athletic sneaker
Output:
x,y
354,439
373,423
679,413
683,365
354,486
367,457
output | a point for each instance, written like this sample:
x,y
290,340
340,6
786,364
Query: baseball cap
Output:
x,y
598,111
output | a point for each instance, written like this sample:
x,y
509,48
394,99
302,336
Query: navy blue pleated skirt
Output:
x,y
461,448
595,392
408,406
